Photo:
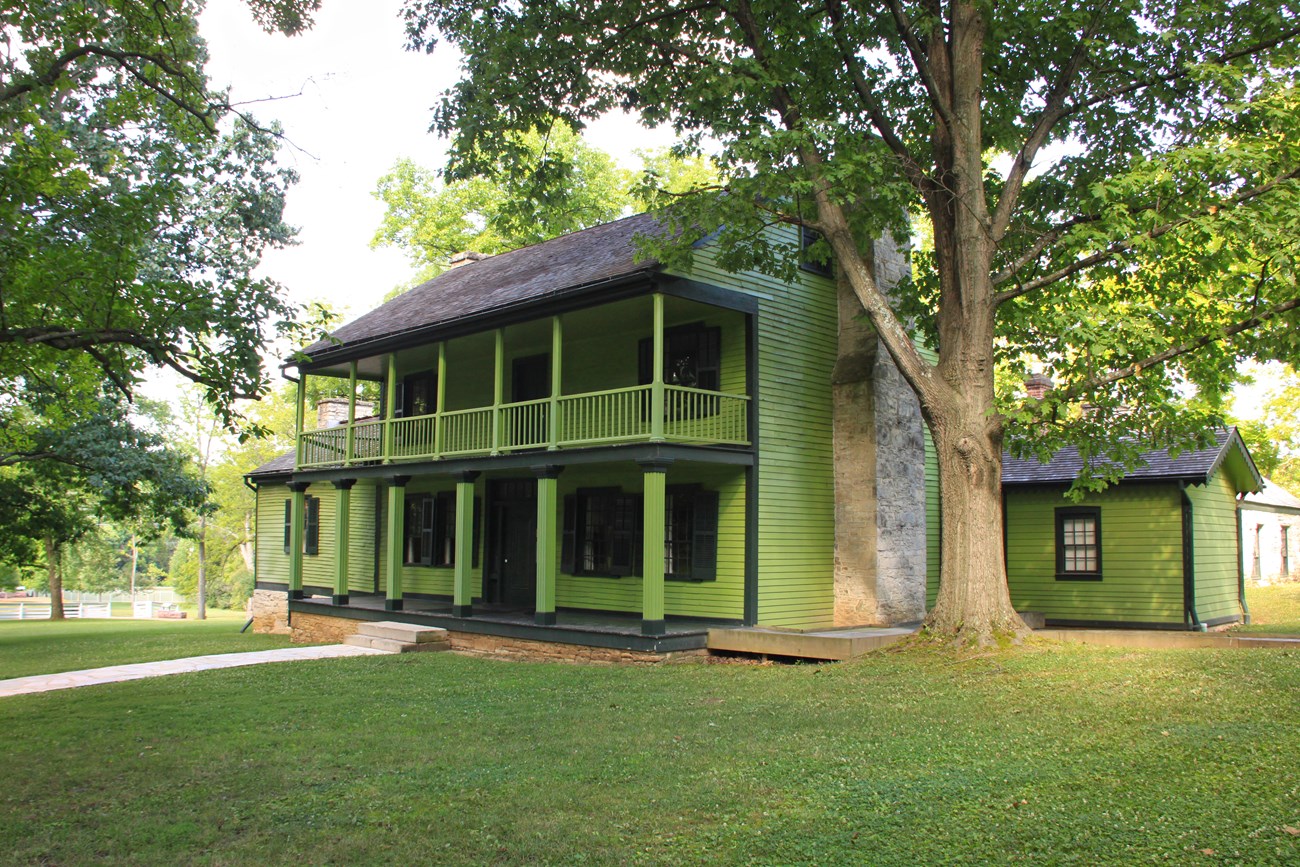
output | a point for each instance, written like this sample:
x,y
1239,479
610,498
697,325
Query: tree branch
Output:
x,y
1054,108
917,52
1123,246
1181,349
1045,240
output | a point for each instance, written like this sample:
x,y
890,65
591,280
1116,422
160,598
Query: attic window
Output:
x,y
807,238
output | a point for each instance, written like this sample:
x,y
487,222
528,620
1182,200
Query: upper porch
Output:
x,y
653,368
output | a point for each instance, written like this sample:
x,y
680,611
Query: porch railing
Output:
x,y
621,415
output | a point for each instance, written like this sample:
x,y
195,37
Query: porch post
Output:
x,y
657,376
299,416
462,597
342,532
390,398
439,400
547,555
352,413
396,531
557,381
297,509
498,376
655,476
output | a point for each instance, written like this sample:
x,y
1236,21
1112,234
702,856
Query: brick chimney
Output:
x,y
333,411
1037,385
465,258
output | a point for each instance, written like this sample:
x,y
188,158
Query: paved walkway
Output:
x,y
138,670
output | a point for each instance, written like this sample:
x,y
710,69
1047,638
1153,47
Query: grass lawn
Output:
x,y
1274,609
1058,754
45,647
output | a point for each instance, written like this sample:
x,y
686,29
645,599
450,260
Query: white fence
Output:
x,y
31,611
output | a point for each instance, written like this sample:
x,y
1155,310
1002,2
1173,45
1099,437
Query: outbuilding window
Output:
x,y
1078,544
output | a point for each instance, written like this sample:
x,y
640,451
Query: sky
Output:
x,y
352,101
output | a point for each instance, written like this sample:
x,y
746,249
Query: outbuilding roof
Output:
x,y
570,263
1272,497
1194,467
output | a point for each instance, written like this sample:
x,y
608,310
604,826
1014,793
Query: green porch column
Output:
x,y
439,400
390,399
349,447
547,556
498,387
342,533
655,476
462,596
396,531
299,416
657,376
557,380
297,509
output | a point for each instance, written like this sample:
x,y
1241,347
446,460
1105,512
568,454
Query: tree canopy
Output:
x,y
1111,190
546,181
136,202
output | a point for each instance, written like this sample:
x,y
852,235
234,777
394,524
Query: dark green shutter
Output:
x,y
704,538
569,538
288,524
708,372
311,533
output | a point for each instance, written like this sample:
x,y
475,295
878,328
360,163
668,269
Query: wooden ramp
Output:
x,y
825,644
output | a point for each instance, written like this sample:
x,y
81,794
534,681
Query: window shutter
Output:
x,y
645,361
426,530
288,524
568,544
311,543
704,539
399,401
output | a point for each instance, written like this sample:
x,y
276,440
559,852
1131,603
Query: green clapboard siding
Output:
x,y
1214,547
1142,564
317,569
721,598
796,338
431,580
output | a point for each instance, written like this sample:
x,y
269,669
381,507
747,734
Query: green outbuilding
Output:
x,y
1160,549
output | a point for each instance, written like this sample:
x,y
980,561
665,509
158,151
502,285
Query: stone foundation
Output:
x,y
325,629
322,629
270,611
500,647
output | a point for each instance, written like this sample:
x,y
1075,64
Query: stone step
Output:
x,y
393,645
411,633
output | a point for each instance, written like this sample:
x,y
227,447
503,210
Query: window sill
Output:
x,y
1078,576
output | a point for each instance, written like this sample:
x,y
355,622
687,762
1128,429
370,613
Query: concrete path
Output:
x,y
138,670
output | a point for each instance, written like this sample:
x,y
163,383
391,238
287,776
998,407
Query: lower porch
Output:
x,y
608,630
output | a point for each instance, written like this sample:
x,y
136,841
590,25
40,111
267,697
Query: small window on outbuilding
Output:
x,y
1078,544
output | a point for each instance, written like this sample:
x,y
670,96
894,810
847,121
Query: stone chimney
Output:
x,y
333,411
1037,385
465,258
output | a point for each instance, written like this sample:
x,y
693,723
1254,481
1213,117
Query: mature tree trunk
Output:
x,y
246,549
55,578
203,569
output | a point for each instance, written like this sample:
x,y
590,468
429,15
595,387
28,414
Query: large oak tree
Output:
x,y
1110,188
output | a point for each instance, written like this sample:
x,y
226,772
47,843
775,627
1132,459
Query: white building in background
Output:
x,y
1270,535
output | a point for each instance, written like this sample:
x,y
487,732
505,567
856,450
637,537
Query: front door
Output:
x,y
512,558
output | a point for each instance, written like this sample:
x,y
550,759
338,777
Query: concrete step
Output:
x,y
411,633
393,645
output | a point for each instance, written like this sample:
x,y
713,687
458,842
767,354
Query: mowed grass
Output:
x,y
1048,754
46,647
1274,609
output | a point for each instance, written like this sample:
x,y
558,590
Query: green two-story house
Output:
x,y
575,444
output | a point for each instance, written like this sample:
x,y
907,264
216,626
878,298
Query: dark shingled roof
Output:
x,y
276,466
1191,466
581,259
